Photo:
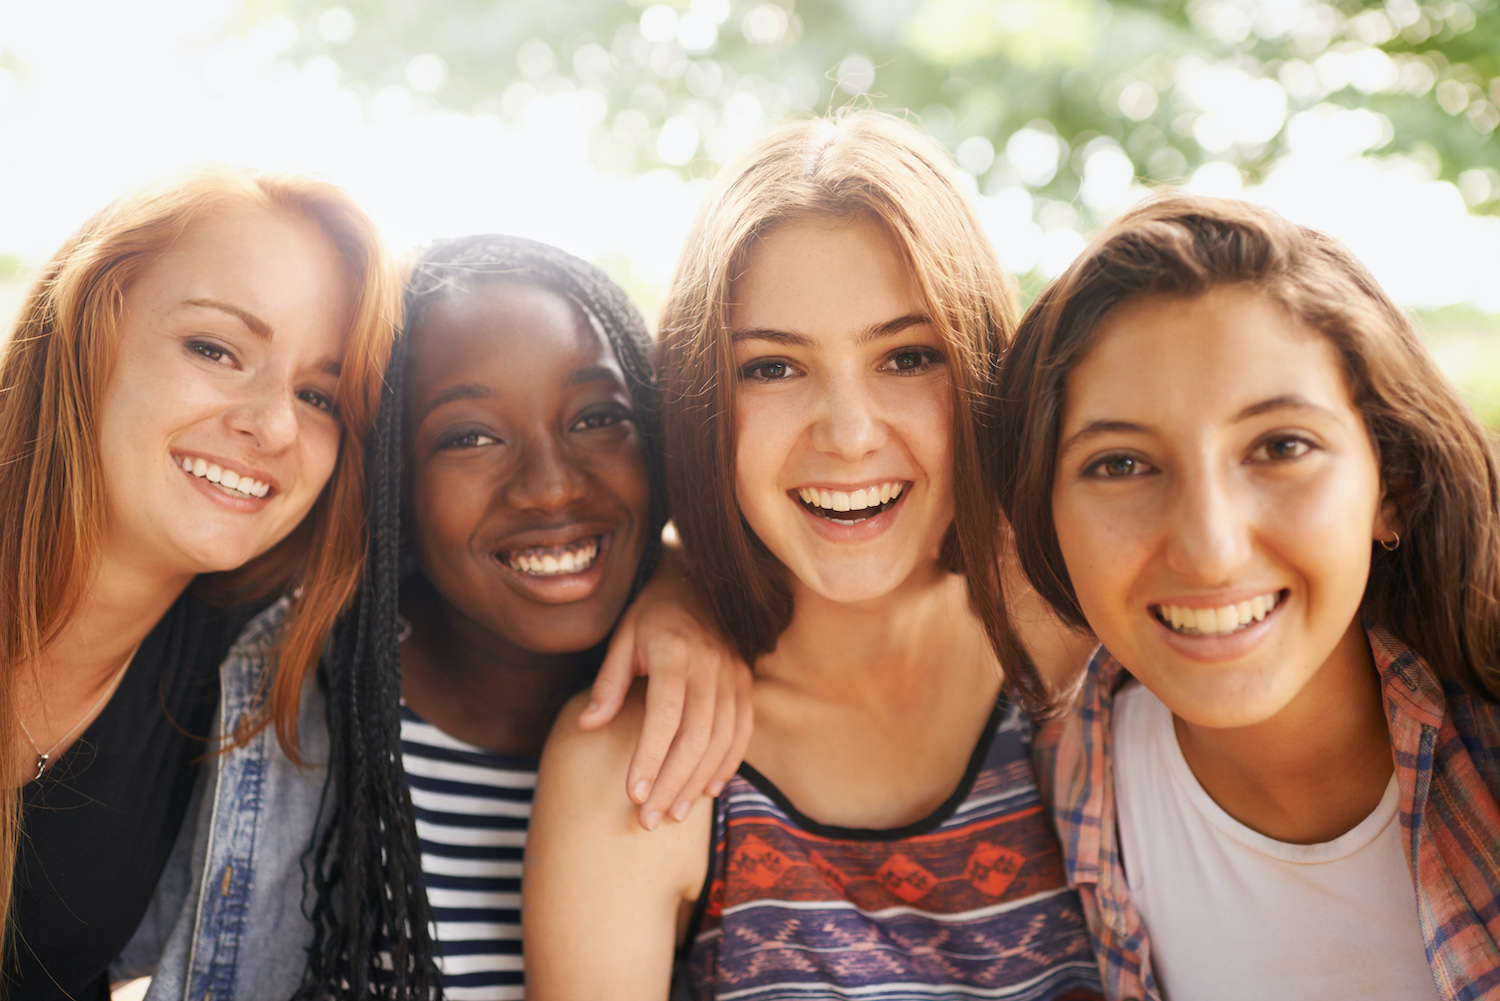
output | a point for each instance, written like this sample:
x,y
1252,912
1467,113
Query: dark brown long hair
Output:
x,y
1440,591
861,164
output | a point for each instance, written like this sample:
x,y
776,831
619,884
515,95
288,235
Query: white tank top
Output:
x,y
1232,914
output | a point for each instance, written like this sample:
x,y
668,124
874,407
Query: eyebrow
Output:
x,y
1095,428
458,391
1287,401
880,331
260,328
590,373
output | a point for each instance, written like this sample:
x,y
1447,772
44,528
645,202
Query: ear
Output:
x,y
1388,521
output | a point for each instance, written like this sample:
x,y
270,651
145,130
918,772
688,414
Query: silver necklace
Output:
x,y
42,757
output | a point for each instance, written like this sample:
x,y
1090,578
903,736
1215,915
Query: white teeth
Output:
x,y
554,560
1219,621
228,480
856,500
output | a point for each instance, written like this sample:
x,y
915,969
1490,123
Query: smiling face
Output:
x,y
843,408
1215,499
529,502
217,430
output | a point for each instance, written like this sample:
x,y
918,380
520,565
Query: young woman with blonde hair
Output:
x,y
828,344
183,401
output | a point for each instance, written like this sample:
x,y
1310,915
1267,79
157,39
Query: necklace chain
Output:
x,y
42,757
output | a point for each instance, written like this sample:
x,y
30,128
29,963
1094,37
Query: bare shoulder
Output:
x,y
618,736
596,883
581,784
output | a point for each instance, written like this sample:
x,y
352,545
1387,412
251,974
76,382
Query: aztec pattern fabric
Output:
x,y
970,902
1446,745
472,808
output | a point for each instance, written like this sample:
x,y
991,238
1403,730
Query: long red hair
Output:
x,y
53,370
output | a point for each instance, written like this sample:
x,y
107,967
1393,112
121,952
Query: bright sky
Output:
x,y
102,94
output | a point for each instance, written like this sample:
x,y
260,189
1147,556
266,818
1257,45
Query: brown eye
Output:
x,y
469,439
912,360
1281,449
1116,467
767,370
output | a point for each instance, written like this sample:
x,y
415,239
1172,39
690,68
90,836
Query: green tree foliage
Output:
x,y
1025,91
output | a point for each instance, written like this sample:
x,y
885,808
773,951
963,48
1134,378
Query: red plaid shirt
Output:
x,y
1447,751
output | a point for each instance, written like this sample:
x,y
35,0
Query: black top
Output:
x,y
98,826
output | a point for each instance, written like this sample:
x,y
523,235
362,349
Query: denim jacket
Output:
x,y
227,923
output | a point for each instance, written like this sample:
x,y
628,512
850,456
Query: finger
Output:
x,y
665,695
687,748
614,678
706,769
744,727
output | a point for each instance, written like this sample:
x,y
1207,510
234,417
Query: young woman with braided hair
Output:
x,y
515,508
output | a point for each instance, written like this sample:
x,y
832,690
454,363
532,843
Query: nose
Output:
x,y
1209,531
268,415
545,478
850,423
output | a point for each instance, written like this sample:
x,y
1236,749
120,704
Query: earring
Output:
x,y
1389,546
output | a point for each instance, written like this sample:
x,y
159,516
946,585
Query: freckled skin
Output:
x,y
195,379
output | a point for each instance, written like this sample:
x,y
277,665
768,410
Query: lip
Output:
x,y
561,588
863,530
244,504
1218,649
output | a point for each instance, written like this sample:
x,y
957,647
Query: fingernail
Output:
x,y
715,787
653,819
641,790
680,811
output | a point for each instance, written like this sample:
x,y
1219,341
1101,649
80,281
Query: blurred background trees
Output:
x,y
1072,98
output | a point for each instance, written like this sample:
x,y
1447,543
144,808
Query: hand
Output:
x,y
698,707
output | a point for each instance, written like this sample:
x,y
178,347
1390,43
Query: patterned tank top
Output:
x,y
970,902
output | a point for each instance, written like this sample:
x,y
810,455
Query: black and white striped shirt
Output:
x,y
472,808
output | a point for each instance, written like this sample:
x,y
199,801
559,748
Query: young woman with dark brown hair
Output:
x,y
1226,452
182,404
828,340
